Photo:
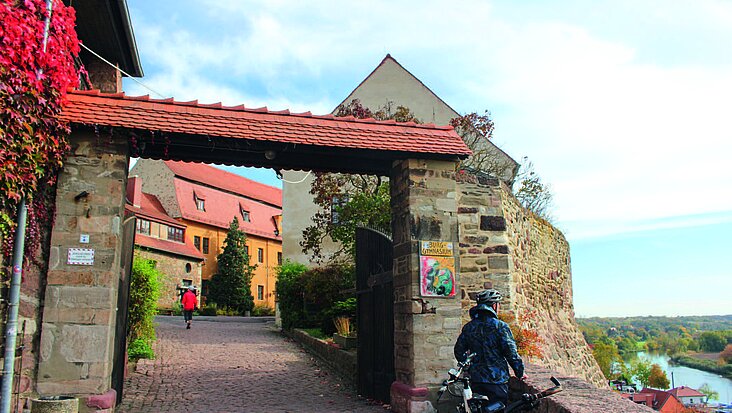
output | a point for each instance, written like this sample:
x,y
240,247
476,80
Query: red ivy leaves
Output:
x,y
32,88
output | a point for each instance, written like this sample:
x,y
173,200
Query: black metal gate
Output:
x,y
375,292
123,295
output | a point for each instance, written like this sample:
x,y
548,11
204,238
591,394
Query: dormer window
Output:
x,y
200,202
244,213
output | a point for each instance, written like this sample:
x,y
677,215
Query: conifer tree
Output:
x,y
231,286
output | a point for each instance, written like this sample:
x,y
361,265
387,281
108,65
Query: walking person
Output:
x,y
495,348
189,304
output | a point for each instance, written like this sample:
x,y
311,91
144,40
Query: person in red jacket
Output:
x,y
189,304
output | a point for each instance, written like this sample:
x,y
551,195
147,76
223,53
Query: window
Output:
x,y
143,226
279,258
197,242
260,292
260,255
336,203
187,283
175,234
246,249
244,214
200,203
205,245
188,268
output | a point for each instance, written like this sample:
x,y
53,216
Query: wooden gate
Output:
x,y
123,295
375,292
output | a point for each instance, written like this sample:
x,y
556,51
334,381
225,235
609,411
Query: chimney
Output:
x,y
134,190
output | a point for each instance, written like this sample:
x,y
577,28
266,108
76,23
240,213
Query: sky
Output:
x,y
622,106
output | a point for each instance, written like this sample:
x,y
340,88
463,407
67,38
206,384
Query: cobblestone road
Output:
x,y
233,366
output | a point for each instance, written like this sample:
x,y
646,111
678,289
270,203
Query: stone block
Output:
x,y
492,223
84,343
80,297
498,262
89,386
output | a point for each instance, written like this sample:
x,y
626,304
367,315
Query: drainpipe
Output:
x,y
14,300
11,327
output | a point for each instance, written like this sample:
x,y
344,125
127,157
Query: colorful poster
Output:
x,y
437,276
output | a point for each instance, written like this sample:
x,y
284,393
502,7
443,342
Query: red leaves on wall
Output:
x,y
33,84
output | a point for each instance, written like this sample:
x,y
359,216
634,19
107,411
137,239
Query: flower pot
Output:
x,y
345,342
55,404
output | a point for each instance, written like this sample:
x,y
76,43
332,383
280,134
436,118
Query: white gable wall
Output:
x,y
389,82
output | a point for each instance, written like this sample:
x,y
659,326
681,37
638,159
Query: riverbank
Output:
x,y
704,364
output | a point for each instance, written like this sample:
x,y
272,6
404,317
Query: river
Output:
x,y
686,376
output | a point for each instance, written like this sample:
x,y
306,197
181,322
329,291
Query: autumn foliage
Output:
x,y
527,338
33,84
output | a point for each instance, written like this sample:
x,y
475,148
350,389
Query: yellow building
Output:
x,y
206,199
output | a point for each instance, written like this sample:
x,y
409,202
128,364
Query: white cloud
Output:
x,y
620,137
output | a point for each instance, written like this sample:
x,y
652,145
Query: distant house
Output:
x,y
688,396
389,84
161,238
206,199
658,400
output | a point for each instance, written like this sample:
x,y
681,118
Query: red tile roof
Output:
x,y
684,391
151,208
663,401
167,246
167,115
227,181
221,208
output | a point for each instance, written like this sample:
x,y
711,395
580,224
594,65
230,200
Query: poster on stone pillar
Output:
x,y
436,269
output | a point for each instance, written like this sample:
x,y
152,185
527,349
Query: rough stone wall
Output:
x,y
503,246
79,313
577,396
103,76
29,313
423,201
173,268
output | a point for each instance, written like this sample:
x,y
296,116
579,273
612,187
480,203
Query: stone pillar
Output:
x,y
424,208
78,327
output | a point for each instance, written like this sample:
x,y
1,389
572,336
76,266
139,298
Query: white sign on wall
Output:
x,y
80,256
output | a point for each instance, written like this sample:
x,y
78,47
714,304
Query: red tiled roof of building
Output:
x,y
167,246
151,208
663,401
227,181
167,115
221,207
684,391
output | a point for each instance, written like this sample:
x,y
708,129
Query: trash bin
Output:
x,y
55,404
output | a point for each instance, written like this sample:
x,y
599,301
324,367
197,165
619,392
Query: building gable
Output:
x,y
392,84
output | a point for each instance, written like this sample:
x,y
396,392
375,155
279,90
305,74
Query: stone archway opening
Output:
x,y
420,161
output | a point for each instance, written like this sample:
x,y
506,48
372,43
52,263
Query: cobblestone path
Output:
x,y
232,366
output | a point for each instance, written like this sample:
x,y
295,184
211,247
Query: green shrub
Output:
x,y
290,293
209,309
144,293
140,349
227,311
315,332
306,296
177,309
262,310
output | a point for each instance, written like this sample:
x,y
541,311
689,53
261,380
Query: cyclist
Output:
x,y
492,341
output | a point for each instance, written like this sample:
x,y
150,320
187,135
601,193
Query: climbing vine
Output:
x,y
33,86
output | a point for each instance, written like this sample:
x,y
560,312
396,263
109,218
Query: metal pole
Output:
x,y
14,300
14,296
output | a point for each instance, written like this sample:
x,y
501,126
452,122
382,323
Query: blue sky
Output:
x,y
622,106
